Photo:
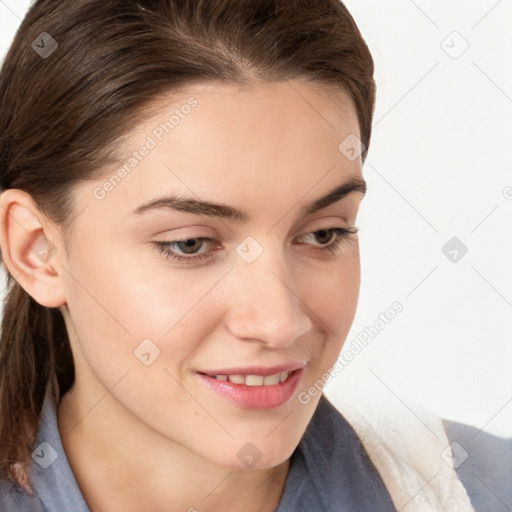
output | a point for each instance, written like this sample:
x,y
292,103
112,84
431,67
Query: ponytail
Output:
x,y
34,348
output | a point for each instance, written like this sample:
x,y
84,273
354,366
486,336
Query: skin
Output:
x,y
135,434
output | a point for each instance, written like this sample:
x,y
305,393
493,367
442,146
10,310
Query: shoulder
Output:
x,y
483,463
339,467
14,499
406,445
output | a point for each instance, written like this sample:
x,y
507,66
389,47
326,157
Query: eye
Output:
x,y
330,240
334,235
189,246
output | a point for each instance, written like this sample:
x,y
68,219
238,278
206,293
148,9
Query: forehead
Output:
x,y
261,108
238,144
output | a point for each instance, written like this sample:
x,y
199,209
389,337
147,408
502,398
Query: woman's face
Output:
x,y
240,272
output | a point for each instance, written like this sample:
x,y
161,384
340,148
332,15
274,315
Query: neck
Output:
x,y
121,466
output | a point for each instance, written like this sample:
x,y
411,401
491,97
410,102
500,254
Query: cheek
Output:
x,y
332,299
332,295
117,305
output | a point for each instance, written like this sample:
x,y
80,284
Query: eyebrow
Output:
x,y
355,184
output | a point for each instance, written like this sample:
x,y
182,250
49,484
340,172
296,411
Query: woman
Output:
x,y
181,181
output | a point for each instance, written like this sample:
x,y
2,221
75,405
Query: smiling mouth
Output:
x,y
253,391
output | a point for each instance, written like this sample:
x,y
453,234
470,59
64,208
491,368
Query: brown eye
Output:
x,y
327,235
177,249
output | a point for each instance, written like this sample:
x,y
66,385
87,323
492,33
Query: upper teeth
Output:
x,y
255,380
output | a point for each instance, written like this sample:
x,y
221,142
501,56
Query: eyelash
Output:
x,y
341,234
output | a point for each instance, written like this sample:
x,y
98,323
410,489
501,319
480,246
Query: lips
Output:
x,y
255,387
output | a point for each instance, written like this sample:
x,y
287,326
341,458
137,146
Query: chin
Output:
x,y
259,454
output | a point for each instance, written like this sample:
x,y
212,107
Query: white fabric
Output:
x,y
410,449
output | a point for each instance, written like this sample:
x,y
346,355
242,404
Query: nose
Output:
x,y
264,307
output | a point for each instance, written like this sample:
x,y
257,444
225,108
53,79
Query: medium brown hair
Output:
x,y
63,113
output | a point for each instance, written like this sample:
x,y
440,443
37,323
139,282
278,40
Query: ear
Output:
x,y
28,248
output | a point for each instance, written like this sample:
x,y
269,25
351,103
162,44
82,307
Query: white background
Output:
x,y
438,167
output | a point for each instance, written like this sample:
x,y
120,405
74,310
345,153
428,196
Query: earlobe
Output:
x,y
27,249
